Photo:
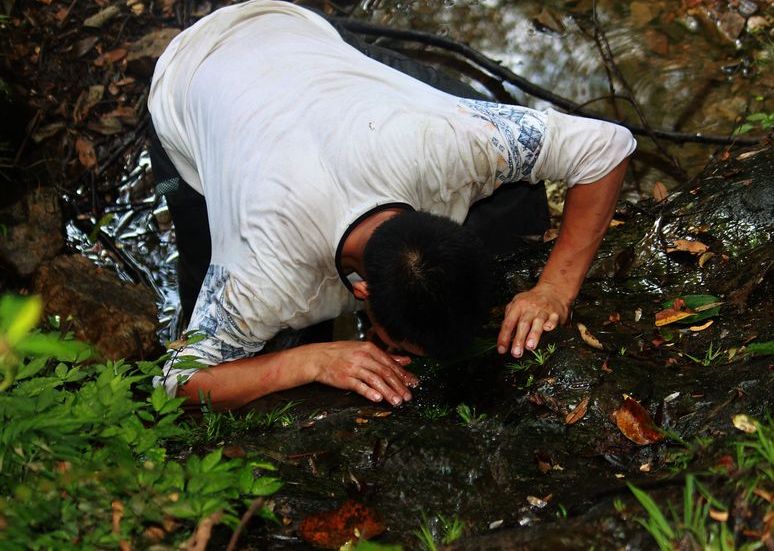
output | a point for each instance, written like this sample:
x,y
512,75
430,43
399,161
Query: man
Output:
x,y
329,176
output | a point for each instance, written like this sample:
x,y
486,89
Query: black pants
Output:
x,y
514,210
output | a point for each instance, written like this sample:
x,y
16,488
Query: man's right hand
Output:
x,y
350,365
364,368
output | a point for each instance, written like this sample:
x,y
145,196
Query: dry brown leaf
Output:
x,y
763,494
635,423
47,131
102,17
615,223
578,412
380,414
152,45
107,125
704,258
83,46
688,246
588,338
720,516
361,420
660,192
676,312
333,529
113,56
744,423
697,328
537,502
86,100
550,235
86,154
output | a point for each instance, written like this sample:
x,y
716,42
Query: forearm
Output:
x,y
588,210
234,384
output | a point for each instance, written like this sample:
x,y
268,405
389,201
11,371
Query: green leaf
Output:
x,y
23,315
211,459
760,348
158,398
265,486
705,306
653,510
106,219
40,344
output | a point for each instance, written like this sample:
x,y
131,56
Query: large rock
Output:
x,y
33,231
118,318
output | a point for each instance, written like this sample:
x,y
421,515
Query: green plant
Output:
x,y
468,414
436,411
441,529
709,356
762,120
539,358
216,424
89,452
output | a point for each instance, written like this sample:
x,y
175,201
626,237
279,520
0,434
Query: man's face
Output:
x,y
393,347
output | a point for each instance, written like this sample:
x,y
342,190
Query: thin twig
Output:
x,y
198,541
254,506
506,75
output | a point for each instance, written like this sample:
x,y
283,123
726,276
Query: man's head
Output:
x,y
427,282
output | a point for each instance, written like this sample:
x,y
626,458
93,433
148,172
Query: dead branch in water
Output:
x,y
506,75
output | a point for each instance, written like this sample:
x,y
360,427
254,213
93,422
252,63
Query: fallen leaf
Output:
x,y
332,529
101,17
615,223
578,412
536,502
635,423
615,317
550,235
704,258
697,328
605,367
645,467
86,100
47,131
152,45
763,494
660,192
677,311
720,516
138,8
83,46
113,56
234,451
588,338
688,246
744,423
107,126
86,154
638,314
380,414
361,420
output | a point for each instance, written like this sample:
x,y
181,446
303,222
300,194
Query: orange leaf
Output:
x,y
676,312
577,414
635,423
332,529
660,192
687,246
588,338
86,154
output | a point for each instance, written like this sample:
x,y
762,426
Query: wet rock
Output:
x,y
747,7
731,25
657,42
33,231
118,318
642,13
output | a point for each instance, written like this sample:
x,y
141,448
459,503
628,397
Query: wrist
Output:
x,y
566,296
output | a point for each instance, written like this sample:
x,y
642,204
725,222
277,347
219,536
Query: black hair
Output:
x,y
428,282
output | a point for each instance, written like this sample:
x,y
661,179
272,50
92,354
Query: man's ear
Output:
x,y
360,290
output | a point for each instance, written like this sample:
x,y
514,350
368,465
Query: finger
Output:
x,y
408,378
553,321
506,330
390,377
522,329
378,377
400,360
392,370
364,390
537,329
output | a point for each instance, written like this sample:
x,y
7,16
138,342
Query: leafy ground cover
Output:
x,y
91,456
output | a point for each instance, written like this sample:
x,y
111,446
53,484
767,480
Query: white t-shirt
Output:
x,y
291,135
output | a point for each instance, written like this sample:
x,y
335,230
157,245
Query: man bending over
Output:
x,y
330,177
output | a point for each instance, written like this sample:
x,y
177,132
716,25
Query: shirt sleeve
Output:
x,y
222,334
578,150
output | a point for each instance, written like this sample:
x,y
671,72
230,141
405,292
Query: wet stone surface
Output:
x,y
421,458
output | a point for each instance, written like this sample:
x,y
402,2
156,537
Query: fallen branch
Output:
x,y
254,506
506,75
199,540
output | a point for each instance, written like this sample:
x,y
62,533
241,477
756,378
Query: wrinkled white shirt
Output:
x,y
291,135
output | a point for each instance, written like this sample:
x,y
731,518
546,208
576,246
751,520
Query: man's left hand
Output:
x,y
528,315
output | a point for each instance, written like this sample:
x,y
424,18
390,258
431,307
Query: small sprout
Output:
x,y
561,511
622,351
468,414
434,412
709,356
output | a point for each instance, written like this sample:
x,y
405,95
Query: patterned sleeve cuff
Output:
x,y
519,138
